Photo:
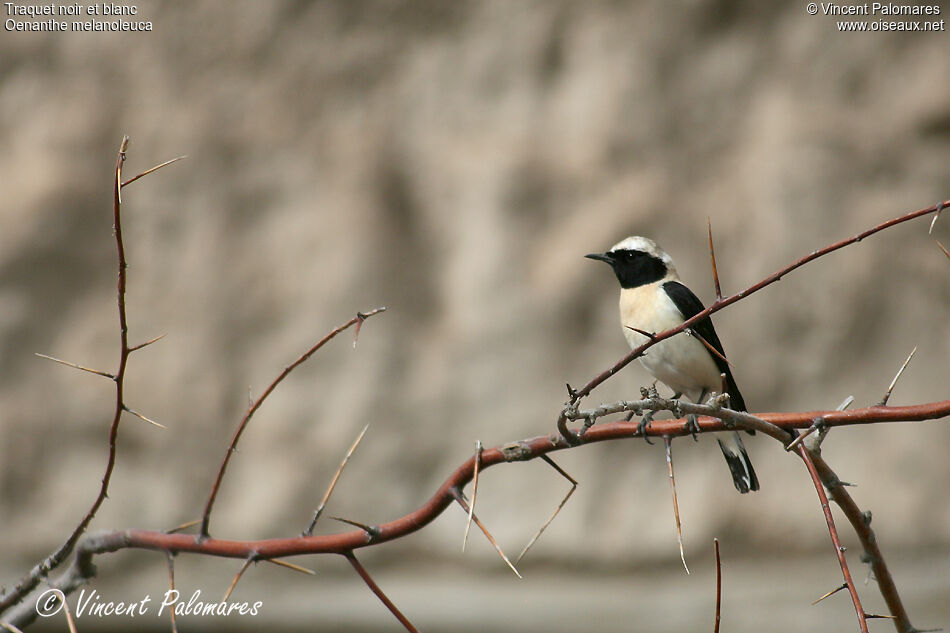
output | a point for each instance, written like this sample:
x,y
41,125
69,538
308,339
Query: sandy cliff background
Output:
x,y
453,161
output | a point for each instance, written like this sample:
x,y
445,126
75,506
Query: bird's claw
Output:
x,y
692,426
644,425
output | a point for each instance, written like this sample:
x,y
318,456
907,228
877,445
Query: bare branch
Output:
x,y
806,456
718,586
379,592
206,515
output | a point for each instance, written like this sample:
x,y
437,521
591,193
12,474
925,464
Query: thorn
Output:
x,y
371,530
183,526
556,511
360,318
237,577
676,507
460,498
155,168
817,425
873,616
712,257
283,563
336,477
75,366
571,392
940,207
142,417
712,350
649,335
830,593
471,509
890,388
845,403
135,348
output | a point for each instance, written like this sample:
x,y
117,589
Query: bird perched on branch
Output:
x,y
652,300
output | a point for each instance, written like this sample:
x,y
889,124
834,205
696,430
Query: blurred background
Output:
x,y
454,161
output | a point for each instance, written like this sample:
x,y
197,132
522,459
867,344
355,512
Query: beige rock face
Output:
x,y
454,161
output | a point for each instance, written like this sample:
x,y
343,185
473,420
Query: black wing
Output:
x,y
690,305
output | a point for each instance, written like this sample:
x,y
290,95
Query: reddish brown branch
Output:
x,y
379,592
28,582
718,586
833,532
206,515
524,450
720,304
861,522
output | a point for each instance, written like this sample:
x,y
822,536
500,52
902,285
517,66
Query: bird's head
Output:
x,y
637,261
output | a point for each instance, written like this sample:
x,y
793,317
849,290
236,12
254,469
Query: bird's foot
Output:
x,y
692,426
644,425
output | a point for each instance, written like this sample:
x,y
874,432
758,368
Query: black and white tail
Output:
x,y
743,475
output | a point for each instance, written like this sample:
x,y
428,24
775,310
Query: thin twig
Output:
x,y
336,477
471,508
890,387
206,515
668,441
460,498
379,592
944,249
554,514
718,586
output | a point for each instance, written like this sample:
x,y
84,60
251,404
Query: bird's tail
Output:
x,y
743,475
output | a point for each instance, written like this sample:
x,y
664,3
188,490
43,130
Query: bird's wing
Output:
x,y
690,305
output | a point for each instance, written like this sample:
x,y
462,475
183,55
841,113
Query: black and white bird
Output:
x,y
653,299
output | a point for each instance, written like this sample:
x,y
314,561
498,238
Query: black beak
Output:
x,y
600,257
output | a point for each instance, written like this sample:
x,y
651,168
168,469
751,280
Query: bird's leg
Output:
x,y
644,425
691,424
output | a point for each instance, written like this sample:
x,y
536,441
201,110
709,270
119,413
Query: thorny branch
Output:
x,y
719,304
54,560
713,417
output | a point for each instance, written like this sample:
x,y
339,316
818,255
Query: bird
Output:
x,y
652,300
